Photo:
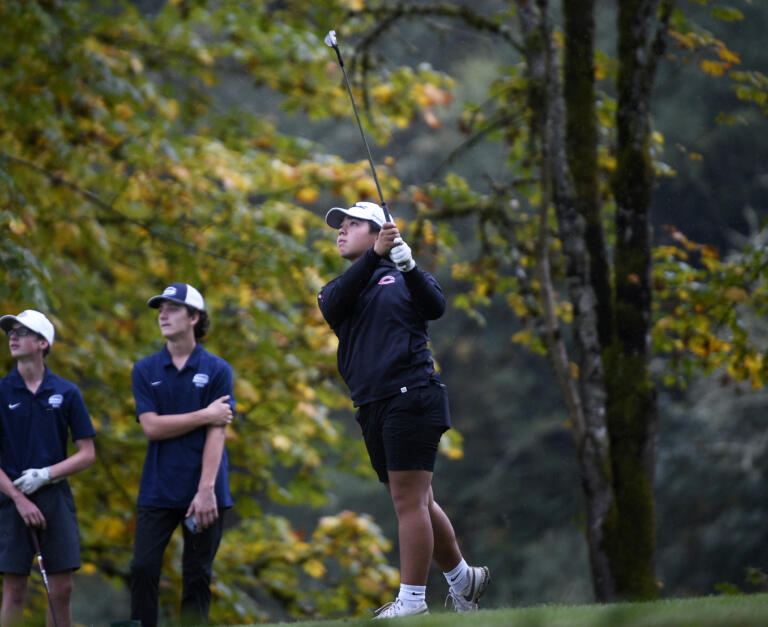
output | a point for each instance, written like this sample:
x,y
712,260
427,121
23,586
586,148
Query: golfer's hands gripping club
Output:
x,y
402,257
29,512
219,412
32,479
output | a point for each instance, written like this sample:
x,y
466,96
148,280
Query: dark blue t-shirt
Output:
x,y
172,466
34,428
380,317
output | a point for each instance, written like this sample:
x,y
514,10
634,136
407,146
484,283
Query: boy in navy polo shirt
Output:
x,y
184,401
37,412
379,311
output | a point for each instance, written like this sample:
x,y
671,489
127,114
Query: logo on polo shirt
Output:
x,y
13,405
200,379
55,400
387,279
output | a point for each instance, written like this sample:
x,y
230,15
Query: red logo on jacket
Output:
x,y
387,279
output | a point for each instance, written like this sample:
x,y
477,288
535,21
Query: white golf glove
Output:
x,y
402,257
32,479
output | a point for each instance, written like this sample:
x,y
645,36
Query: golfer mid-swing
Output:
x,y
379,311
38,412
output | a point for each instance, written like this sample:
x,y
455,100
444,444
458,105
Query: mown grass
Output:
x,y
721,611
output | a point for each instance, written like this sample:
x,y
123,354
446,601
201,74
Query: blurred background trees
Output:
x,y
147,142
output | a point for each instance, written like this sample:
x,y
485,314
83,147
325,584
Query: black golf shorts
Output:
x,y
403,432
59,541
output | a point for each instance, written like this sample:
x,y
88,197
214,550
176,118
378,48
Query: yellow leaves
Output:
x,y
179,171
88,568
123,111
524,337
421,199
233,179
307,195
314,568
714,68
281,442
728,56
110,528
246,392
686,40
168,108
383,92
17,226
736,294
451,444
427,96
136,64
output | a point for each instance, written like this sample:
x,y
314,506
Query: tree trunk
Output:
x,y
631,407
614,412
587,411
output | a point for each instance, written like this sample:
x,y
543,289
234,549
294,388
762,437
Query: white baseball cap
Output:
x,y
179,293
364,210
33,320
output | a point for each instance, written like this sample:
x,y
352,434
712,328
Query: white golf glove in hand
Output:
x,y
402,257
32,479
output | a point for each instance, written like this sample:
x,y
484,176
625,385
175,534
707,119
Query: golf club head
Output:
x,y
330,39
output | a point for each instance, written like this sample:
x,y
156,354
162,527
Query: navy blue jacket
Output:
x,y
380,317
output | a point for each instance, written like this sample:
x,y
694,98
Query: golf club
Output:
x,y
36,545
330,41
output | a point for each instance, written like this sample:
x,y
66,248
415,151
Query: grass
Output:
x,y
721,611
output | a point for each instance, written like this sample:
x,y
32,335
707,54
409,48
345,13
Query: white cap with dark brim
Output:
x,y
362,210
33,320
182,293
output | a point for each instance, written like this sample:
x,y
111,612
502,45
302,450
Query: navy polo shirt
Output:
x,y
34,428
172,467
380,316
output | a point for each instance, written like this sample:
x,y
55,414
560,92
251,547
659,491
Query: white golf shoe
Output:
x,y
466,600
397,608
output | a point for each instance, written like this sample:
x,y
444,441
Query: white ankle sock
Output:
x,y
457,578
412,596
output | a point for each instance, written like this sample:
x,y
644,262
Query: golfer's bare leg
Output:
x,y
411,493
14,595
61,597
446,550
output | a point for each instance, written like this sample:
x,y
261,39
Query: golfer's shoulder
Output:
x,y
148,361
59,383
213,361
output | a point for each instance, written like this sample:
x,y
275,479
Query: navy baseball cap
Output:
x,y
179,293
363,210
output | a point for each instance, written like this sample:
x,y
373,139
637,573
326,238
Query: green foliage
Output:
x,y
701,308
119,173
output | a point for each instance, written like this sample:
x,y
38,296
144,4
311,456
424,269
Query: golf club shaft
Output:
x,y
36,545
362,134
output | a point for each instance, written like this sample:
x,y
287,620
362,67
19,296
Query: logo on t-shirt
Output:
x,y
55,400
387,279
200,379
